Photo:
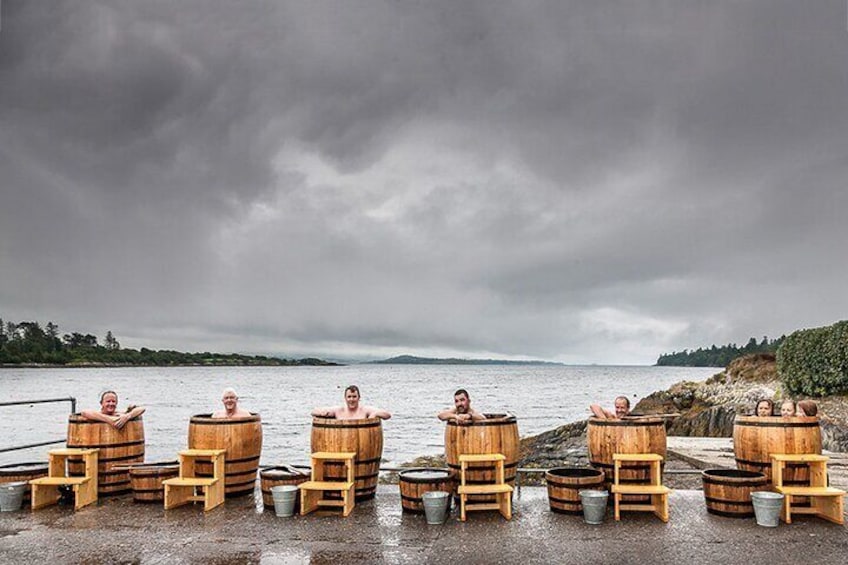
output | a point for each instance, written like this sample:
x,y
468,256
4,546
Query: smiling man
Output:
x,y
462,412
231,409
352,409
109,413
622,409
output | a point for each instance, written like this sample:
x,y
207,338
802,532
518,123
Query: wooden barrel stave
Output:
x,y
756,438
498,433
241,437
363,437
727,492
413,483
15,472
146,480
637,435
117,448
564,484
277,476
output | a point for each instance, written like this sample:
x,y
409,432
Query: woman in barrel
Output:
x,y
787,408
807,408
109,413
352,409
765,407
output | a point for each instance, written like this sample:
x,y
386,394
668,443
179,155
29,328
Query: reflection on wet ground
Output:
x,y
119,531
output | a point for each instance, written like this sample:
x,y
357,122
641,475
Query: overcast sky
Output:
x,y
585,182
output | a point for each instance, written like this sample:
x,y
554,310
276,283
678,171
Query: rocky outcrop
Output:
x,y
705,409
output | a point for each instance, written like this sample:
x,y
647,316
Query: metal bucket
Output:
x,y
12,496
436,504
767,506
594,504
284,498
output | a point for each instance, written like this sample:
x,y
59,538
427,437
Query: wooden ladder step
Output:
x,y
60,481
811,491
640,489
326,485
190,482
636,457
483,489
481,458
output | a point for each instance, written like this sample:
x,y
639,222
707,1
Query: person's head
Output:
x,y
461,401
230,399
352,397
807,408
622,406
108,402
765,407
787,408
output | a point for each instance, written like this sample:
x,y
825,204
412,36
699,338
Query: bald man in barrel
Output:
x,y
622,409
229,399
109,413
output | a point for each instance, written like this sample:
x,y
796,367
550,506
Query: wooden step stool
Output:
x,y
654,487
312,491
183,489
45,490
499,488
825,502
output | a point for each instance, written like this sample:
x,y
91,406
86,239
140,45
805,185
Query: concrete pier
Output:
x,y
120,531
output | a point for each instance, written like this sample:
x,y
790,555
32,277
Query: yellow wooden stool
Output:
x,y
312,491
825,502
45,490
499,488
183,489
653,488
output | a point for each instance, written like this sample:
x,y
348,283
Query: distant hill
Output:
x,y
412,360
718,356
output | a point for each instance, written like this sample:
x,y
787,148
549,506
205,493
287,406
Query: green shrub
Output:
x,y
814,362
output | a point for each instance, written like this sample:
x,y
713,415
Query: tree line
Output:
x,y
30,343
718,356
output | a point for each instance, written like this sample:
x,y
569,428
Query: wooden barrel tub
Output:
x,y
636,435
118,448
363,437
241,437
146,480
564,484
756,438
15,472
414,483
498,433
728,491
276,476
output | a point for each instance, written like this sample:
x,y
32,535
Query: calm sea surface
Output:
x,y
542,398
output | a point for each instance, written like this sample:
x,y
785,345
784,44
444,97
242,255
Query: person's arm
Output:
x,y
446,415
477,416
599,412
378,413
98,416
324,412
122,420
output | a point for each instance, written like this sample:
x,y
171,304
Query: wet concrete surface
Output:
x,y
120,531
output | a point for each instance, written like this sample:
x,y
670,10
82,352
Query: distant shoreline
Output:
x,y
412,360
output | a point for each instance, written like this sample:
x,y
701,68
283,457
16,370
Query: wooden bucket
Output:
x,y
756,438
276,476
728,491
23,472
241,437
146,480
118,448
364,437
636,435
498,433
415,482
564,484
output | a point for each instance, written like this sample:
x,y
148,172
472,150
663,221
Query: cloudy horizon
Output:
x,y
577,182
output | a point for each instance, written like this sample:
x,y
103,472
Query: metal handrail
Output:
x,y
70,399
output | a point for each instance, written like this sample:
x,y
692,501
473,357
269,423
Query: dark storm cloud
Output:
x,y
580,181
